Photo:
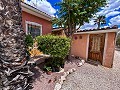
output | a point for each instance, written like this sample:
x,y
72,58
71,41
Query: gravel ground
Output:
x,y
91,77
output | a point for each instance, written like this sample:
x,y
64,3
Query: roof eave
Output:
x,y
35,12
99,31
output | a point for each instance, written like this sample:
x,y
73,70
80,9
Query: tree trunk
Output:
x,y
69,57
14,71
71,37
98,24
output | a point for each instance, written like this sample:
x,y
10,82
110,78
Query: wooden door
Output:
x,y
96,47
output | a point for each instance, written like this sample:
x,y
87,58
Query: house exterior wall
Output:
x,y
46,25
79,45
109,50
59,33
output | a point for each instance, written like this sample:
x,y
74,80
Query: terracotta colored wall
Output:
x,y
46,25
79,46
59,33
109,53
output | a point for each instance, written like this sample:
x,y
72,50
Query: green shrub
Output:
x,y
54,45
29,41
47,68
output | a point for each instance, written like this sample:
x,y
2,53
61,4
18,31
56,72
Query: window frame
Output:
x,y
33,23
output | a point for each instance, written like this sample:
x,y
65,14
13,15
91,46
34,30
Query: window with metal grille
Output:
x,y
34,29
96,44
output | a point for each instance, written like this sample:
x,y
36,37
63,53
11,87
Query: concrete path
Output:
x,y
90,77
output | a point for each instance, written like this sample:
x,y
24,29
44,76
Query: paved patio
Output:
x,y
95,77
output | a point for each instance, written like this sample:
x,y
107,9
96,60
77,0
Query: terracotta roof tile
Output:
x,y
114,27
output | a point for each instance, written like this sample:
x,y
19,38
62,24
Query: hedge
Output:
x,y
55,46
29,41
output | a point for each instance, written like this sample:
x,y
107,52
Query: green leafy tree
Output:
x,y
57,22
73,13
100,20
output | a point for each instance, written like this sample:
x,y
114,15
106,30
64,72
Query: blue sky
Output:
x,y
111,11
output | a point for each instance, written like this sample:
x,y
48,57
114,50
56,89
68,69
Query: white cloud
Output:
x,y
90,25
112,14
111,9
115,20
42,5
114,4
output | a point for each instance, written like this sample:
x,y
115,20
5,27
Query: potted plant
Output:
x,y
56,64
62,63
57,68
48,70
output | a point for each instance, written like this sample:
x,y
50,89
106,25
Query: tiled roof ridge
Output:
x,y
114,27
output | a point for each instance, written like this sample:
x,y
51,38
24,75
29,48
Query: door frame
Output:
x,y
105,46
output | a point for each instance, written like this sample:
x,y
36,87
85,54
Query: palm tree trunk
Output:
x,y
14,71
98,25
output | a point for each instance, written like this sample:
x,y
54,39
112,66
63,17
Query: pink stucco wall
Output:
x,y
109,53
79,45
80,48
46,25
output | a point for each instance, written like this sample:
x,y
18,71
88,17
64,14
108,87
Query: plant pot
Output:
x,y
49,72
57,69
62,65
53,69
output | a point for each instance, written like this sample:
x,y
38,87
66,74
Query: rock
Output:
x,y
65,74
61,82
70,71
61,70
83,61
73,69
57,86
80,64
63,78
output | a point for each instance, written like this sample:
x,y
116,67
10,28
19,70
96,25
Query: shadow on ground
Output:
x,y
93,62
38,72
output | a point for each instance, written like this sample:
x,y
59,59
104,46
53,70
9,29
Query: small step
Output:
x,y
93,62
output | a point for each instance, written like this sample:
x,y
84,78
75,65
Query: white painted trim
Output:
x,y
87,48
105,48
57,30
26,26
29,9
32,23
98,31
